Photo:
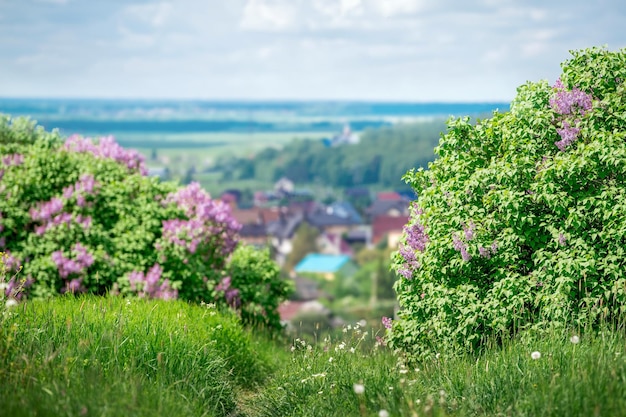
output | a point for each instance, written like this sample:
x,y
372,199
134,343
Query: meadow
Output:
x,y
110,356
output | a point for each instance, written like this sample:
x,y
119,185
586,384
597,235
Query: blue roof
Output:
x,y
319,263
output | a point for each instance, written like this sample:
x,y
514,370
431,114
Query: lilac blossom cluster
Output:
x,y
72,267
570,104
230,294
460,246
488,252
51,214
387,322
148,285
416,240
107,148
207,218
12,160
86,185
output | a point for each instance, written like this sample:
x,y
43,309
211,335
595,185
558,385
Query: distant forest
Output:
x,y
381,158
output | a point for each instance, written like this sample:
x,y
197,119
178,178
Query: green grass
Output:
x,y
111,357
568,379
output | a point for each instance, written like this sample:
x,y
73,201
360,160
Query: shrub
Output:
x,y
80,216
254,287
520,221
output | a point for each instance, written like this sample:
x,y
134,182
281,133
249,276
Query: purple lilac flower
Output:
x,y
68,192
67,266
469,230
232,297
45,210
387,322
11,262
569,102
82,256
416,240
75,286
460,246
107,148
562,239
148,286
484,252
568,135
207,218
15,159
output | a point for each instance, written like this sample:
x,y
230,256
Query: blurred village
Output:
x,y
338,255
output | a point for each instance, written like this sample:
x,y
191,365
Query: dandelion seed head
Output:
x,y
535,355
359,388
574,339
383,413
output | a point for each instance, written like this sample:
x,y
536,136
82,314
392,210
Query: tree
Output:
x,y
304,242
520,222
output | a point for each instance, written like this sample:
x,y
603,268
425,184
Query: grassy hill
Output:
x,y
113,356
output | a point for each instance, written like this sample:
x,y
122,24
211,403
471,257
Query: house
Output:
x,y
281,233
346,137
390,227
333,244
388,208
337,218
304,300
254,224
326,266
284,186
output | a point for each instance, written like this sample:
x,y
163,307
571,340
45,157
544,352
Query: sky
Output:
x,y
364,50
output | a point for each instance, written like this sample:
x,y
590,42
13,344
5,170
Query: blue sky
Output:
x,y
392,50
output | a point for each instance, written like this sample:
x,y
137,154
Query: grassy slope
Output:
x,y
110,357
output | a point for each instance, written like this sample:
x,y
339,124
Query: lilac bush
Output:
x,y
520,222
79,215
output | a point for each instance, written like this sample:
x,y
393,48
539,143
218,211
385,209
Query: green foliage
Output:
x,y
380,158
109,356
520,222
260,286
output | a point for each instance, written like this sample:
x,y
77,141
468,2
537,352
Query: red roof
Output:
x,y
389,195
382,225
289,309
254,215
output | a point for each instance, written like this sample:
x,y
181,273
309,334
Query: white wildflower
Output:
x,y
383,413
574,339
11,302
359,388
535,355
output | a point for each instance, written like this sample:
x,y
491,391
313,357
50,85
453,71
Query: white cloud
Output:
x,y
154,14
391,8
267,15
333,49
